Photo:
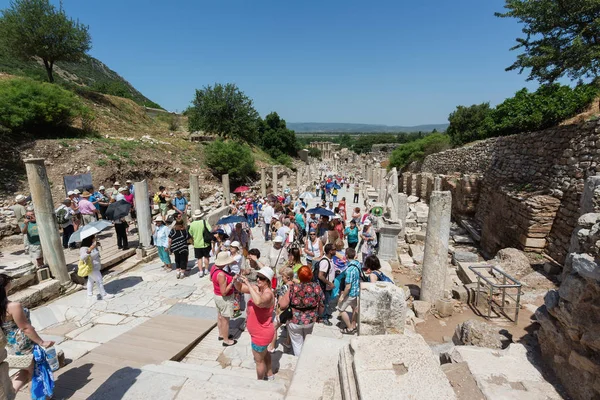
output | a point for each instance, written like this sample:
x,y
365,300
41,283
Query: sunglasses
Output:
x,y
262,278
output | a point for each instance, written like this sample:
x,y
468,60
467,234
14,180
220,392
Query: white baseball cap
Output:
x,y
278,239
70,193
101,188
235,244
367,222
20,198
128,181
116,183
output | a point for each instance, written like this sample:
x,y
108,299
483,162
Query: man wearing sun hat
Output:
x,y
87,209
20,211
114,191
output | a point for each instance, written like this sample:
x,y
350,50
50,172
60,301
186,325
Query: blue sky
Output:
x,y
383,62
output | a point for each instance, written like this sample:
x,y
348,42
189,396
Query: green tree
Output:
x,y
419,149
561,37
346,141
275,138
230,157
35,28
314,152
223,110
469,123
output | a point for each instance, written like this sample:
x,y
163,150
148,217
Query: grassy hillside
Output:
x,y
89,74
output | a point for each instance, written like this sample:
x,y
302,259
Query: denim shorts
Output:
x,y
258,349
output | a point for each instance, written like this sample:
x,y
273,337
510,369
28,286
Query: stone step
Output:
x,y
35,295
346,378
235,382
316,368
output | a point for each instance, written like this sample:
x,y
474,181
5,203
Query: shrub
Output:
x,y
231,158
419,149
36,107
285,160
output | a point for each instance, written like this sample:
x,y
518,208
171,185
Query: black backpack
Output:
x,y
316,273
206,234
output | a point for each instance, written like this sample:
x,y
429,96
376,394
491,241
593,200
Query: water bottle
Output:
x,y
52,358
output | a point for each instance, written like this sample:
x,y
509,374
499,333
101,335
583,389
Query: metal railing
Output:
x,y
497,290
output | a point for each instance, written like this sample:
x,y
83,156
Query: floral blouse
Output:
x,y
18,344
305,299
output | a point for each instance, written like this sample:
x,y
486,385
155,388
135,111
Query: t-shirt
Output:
x,y
283,232
214,276
179,240
277,257
33,234
236,268
351,234
196,229
325,264
268,214
300,221
86,207
20,212
180,203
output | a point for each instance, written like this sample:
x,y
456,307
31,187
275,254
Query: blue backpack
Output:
x,y
382,277
339,285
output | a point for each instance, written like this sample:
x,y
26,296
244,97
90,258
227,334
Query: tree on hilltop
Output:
x,y
35,28
224,110
275,138
562,37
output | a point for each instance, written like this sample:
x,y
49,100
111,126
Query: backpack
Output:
x,y
206,234
62,216
382,277
316,272
340,280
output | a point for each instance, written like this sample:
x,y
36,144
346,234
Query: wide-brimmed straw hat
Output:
x,y
224,259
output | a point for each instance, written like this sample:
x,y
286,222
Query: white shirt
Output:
x,y
237,267
268,214
283,232
119,197
323,266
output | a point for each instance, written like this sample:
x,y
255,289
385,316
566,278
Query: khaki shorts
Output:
x,y
348,302
224,305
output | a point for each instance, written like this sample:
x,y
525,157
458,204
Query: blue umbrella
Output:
x,y
337,186
231,219
320,211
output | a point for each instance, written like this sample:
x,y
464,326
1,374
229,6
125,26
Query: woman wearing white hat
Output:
x,y
260,319
223,296
160,235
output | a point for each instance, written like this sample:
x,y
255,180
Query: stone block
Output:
x,y
415,249
422,217
411,223
412,199
506,374
532,242
586,266
421,308
405,259
462,239
398,367
383,309
552,268
420,236
464,256
478,333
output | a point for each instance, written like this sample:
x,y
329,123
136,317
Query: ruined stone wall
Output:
x,y
569,334
553,162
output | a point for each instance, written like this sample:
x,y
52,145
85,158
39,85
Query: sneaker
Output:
x,y
201,274
327,322
107,296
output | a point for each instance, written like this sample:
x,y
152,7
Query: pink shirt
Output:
x,y
260,324
214,273
86,207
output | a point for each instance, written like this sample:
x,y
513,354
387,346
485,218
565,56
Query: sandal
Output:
x,y
229,337
347,331
231,344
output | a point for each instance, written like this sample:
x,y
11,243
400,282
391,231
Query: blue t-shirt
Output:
x,y
180,203
300,221
351,234
353,278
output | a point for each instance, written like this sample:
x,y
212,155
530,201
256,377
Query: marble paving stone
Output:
x,y
73,334
75,349
103,333
61,329
53,338
194,311
133,384
110,319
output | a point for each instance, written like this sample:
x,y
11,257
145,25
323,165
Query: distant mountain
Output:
x,y
326,127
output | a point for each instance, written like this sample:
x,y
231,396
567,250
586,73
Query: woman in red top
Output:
x,y
223,290
259,320
342,207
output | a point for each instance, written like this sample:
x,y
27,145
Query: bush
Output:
x,y
419,149
314,152
36,107
525,112
284,160
230,158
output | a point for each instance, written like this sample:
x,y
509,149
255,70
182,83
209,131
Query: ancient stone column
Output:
x,y
435,270
402,211
194,193
274,182
437,183
382,184
226,189
144,214
46,220
263,182
284,182
298,173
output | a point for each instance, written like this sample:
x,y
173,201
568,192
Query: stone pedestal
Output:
x,y
263,182
226,190
144,214
435,270
388,241
194,193
46,220
382,309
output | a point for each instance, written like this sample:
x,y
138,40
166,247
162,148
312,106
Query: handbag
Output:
x,y
84,268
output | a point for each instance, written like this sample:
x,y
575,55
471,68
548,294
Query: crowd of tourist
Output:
x,y
315,264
